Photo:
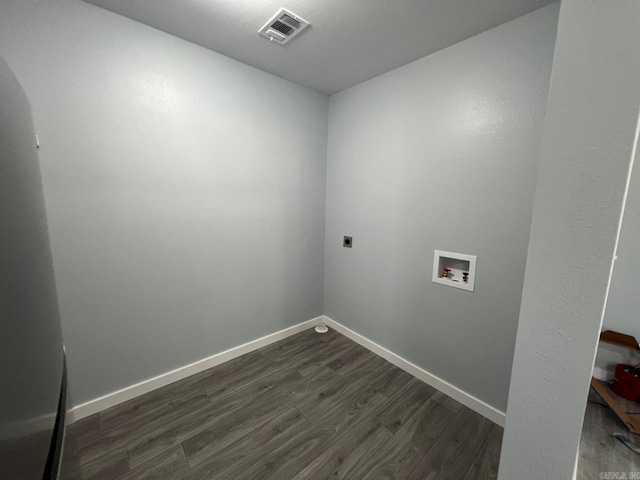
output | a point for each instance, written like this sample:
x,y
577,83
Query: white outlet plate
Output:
x,y
457,263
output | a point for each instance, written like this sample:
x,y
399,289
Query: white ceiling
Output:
x,y
349,40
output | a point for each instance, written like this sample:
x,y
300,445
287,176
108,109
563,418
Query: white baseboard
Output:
x,y
112,399
475,404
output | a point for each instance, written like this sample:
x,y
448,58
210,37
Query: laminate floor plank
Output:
x,y
308,407
245,368
294,352
124,434
298,358
201,444
307,339
401,453
599,450
351,359
230,461
313,382
392,381
403,404
71,474
87,429
333,351
292,456
170,464
341,389
70,461
485,465
341,460
149,407
447,401
159,409
222,422
455,450
107,467
231,380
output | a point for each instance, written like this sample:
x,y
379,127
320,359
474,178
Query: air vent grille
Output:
x,y
291,21
283,26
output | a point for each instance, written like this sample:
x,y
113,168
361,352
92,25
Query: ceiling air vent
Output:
x,y
283,26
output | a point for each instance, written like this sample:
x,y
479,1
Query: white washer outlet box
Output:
x,y
456,270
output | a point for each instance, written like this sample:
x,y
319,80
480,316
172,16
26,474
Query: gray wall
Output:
x,y
587,144
185,191
30,338
623,306
622,312
440,154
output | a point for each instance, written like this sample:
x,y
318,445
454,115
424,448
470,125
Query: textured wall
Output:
x,y
622,312
30,339
588,139
184,220
440,154
623,306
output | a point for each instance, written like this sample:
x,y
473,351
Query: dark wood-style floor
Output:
x,y
309,407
